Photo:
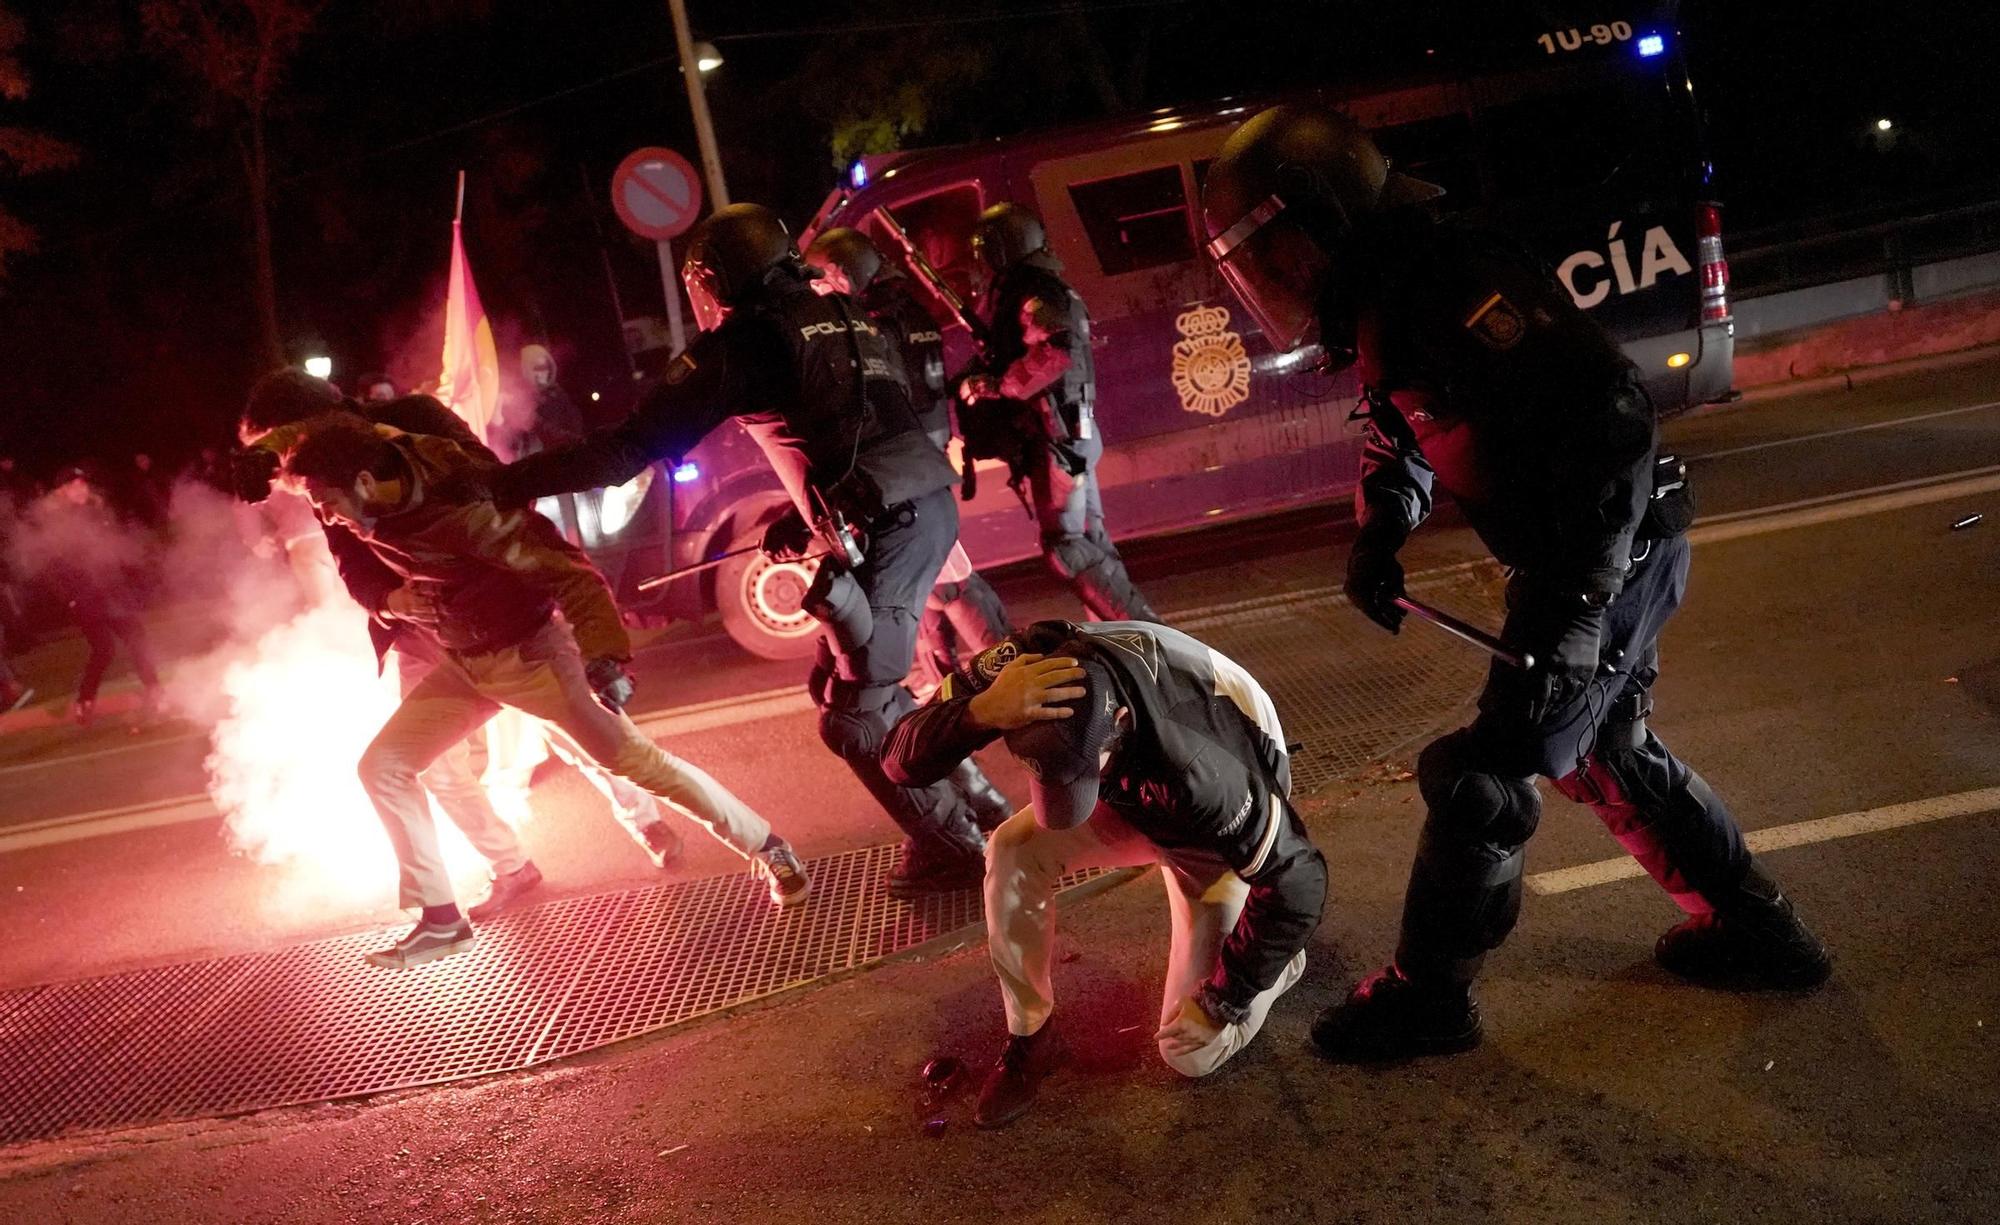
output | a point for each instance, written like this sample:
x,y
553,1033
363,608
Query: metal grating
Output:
x,y
315,1022
1350,692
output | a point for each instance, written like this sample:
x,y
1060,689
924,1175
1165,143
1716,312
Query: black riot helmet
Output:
x,y
731,256
1279,203
1006,234
847,261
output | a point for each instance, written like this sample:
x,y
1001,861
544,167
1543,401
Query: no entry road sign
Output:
x,y
656,193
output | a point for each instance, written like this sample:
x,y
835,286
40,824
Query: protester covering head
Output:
x,y
1065,757
340,451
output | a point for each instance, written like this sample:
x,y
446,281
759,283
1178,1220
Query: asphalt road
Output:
x,y
1835,658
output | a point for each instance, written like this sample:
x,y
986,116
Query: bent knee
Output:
x,y
1195,1064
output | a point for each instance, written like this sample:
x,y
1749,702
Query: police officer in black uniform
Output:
x,y
962,617
1030,399
823,392
1146,746
1482,376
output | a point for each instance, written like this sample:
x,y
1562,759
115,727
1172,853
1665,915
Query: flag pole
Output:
x,y
459,215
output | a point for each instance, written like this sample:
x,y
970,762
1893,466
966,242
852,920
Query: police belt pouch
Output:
x,y
891,472
1670,507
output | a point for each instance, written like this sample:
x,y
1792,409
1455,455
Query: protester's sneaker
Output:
x,y
1017,1076
426,942
14,697
918,871
1389,1017
508,889
778,866
662,842
84,713
1757,942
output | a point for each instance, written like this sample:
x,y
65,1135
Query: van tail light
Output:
x,y
1714,268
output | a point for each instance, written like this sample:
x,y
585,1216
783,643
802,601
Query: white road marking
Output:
x,y
1779,837
20,767
1810,512
153,814
1851,429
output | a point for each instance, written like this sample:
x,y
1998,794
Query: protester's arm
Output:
x,y
928,743
420,414
1279,916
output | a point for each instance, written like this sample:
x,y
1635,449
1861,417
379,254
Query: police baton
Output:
x,y
661,580
1469,632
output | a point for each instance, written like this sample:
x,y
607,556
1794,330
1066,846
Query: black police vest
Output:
x,y
1032,278
892,304
847,430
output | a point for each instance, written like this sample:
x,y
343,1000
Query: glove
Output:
x,y
1375,578
979,387
788,537
1564,631
608,679
251,471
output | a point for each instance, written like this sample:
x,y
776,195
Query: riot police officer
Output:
x,y
822,390
962,616
1482,376
1030,399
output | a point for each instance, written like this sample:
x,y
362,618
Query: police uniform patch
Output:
x,y
988,663
1497,324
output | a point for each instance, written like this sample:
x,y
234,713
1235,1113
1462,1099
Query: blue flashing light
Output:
x,y
857,174
1651,45
686,472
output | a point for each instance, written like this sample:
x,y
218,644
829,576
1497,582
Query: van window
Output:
x,y
941,225
1136,221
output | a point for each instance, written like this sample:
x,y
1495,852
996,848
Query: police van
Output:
x,y
1584,140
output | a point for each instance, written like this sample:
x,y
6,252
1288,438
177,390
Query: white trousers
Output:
x,y
1204,896
542,677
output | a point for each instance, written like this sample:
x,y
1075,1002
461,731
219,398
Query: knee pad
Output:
x,y
852,733
1070,556
1474,804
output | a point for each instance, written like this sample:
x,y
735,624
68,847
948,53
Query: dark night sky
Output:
x,y
131,329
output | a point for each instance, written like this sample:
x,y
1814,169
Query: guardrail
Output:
x,y
1859,244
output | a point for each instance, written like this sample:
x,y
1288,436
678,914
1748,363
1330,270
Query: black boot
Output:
x,y
1389,1017
927,867
1010,1088
1753,938
990,806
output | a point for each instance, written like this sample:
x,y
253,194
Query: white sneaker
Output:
x,y
780,869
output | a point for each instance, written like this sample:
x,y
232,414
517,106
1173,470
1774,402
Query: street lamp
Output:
x,y
319,367
695,60
1883,125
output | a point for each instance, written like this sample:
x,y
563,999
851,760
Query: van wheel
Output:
x,y
760,602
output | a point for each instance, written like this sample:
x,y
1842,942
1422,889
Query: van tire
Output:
x,y
759,602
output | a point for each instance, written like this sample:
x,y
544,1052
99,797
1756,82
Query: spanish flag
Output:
x,y
470,384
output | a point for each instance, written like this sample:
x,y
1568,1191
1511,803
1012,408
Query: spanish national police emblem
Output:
x,y
989,662
1211,370
1496,323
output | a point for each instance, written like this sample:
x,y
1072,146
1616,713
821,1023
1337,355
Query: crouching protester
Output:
x,y
1145,746
493,585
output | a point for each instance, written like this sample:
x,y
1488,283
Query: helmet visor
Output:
x,y
709,312
1277,273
